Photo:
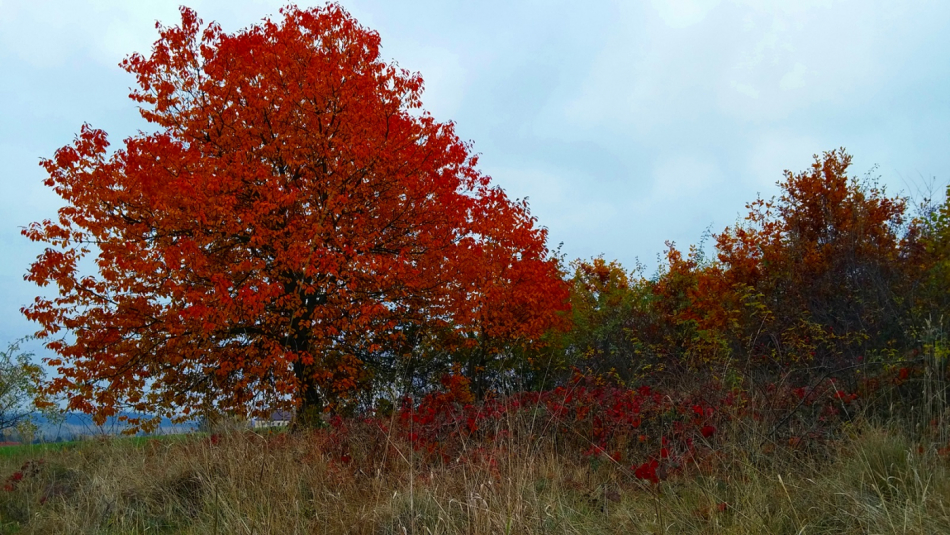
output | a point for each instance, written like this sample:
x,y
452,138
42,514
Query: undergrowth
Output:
x,y
587,458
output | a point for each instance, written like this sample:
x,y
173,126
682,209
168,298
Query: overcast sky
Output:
x,y
625,123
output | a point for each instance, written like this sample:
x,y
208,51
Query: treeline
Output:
x,y
832,278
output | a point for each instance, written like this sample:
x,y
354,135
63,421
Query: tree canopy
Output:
x,y
295,213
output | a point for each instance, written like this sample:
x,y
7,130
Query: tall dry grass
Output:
x,y
873,480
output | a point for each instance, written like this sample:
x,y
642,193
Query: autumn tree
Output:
x,y
824,261
606,302
927,249
697,310
295,212
815,278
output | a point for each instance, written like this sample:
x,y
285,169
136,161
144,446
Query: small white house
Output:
x,y
276,419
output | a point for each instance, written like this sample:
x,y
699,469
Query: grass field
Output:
x,y
872,479
20,451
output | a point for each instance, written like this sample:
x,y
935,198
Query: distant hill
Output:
x,y
75,424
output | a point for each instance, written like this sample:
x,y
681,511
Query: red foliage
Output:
x,y
29,469
647,471
295,211
615,423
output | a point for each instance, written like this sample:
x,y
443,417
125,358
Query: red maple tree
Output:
x,y
295,209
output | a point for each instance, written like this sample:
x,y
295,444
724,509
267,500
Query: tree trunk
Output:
x,y
310,413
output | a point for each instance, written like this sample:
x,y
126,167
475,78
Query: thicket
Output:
x,y
832,280
822,308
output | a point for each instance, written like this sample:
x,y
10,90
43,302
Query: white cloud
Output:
x,y
745,89
442,70
543,188
773,151
570,205
45,34
683,13
681,176
795,78
788,56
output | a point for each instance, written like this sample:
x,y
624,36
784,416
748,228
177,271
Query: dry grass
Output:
x,y
872,481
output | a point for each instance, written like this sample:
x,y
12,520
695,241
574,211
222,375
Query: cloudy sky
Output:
x,y
625,123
